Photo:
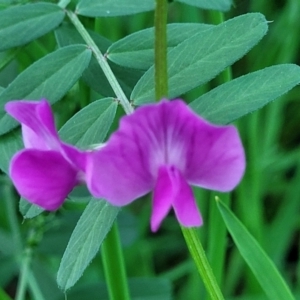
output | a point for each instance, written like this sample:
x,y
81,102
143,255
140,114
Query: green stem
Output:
x,y
34,287
102,63
63,3
161,72
23,280
204,269
12,216
114,266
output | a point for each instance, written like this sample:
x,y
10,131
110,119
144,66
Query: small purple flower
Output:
x,y
166,147
47,170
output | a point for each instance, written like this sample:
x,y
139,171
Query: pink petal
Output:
x,y
74,156
162,197
130,159
166,133
117,172
44,178
37,123
215,156
207,155
184,203
171,190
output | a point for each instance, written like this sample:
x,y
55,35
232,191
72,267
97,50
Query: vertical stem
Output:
x,y
23,280
63,3
204,269
12,216
160,49
34,287
114,266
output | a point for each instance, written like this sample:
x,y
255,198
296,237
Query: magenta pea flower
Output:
x,y
47,170
166,148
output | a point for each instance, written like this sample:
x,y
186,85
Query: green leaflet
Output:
x,y
222,5
91,229
50,77
137,50
91,124
110,8
205,54
263,268
22,24
246,94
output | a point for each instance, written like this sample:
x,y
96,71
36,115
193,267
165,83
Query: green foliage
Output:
x,y
91,124
222,5
140,288
136,50
51,77
245,94
110,8
29,210
260,264
10,144
85,241
86,110
195,61
22,24
94,75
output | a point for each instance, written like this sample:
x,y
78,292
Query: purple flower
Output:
x,y
47,169
166,147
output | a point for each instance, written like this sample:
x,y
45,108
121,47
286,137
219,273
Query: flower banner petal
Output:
x,y
208,156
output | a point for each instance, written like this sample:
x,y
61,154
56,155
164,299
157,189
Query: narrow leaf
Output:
x,y
50,77
246,94
85,241
110,8
22,24
205,54
263,268
137,50
91,124
222,5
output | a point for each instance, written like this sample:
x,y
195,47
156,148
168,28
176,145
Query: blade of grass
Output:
x,y
263,268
